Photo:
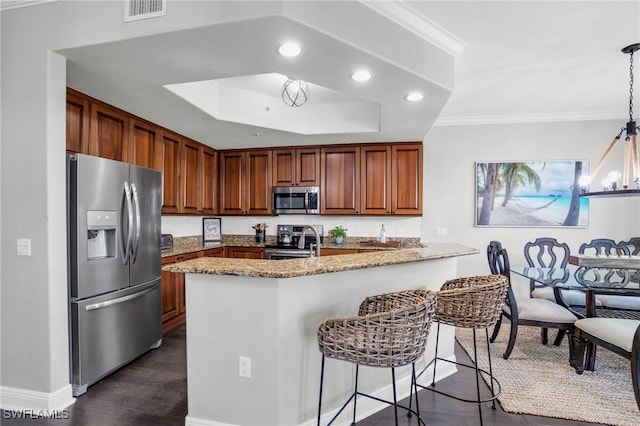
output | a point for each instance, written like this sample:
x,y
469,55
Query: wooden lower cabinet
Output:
x,y
174,312
212,252
244,252
334,252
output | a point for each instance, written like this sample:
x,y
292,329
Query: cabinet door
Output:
x,y
182,308
232,182
208,180
77,122
308,167
258,183
375,173
340,189
171,281
406,172
244,252
293,167
284,167
170,162
190,172
144,144
212,252
109,132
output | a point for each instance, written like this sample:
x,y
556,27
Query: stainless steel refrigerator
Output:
x,y
113,212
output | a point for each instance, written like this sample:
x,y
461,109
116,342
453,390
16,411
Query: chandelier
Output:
x,y
295,92
610,186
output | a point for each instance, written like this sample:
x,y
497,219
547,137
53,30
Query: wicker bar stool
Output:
x,y
390,331
470,302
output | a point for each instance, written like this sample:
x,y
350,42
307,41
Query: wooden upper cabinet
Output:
x,y
406,177
231,175
245,182
208,180
340,187
296,167
109,131
170,161
144,144
258,183
78,116
190,176
375,174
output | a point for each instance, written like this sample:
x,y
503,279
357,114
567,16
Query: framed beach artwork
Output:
x,y
531,194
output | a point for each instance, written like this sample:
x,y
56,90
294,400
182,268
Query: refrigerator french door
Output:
x,y
114,265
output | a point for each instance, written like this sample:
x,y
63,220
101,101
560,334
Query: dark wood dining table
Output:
x,y
592,281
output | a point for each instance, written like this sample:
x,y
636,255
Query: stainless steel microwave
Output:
x,y
296,200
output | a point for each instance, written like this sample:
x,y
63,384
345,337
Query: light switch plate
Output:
x,y
24,246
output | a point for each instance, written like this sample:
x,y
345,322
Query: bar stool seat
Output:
x,y
390,331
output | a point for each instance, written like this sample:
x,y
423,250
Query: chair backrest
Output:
x,y
633,244
389,301
498,259
603,246
546,252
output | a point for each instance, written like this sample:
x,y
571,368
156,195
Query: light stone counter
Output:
x,y
270,310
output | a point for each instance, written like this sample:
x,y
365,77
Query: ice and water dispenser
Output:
x,y
101,234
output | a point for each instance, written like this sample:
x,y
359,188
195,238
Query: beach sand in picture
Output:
x,y
519,212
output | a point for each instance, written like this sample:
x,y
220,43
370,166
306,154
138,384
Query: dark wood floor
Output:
x,y
153,391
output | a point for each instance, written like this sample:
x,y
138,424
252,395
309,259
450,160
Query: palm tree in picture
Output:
x,y
489,172
573,215
517,174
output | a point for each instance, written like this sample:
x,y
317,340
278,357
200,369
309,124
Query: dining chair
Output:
x,y
526,311
620,336
389,331
608,247
548,252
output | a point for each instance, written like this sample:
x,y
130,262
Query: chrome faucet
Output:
x,y
315,251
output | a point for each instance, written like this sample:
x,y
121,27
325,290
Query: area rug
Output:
x,y
537,379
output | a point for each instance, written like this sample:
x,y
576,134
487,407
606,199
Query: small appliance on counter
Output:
x,y
288,239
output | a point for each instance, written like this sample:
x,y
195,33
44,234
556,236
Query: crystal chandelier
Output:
x,y
295,92
631,163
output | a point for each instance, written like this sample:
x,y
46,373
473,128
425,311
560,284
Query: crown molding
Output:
x,y
528,118
14,4
411,19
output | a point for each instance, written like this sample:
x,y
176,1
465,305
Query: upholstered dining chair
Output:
x,y
548,252
606,246
525,311
389,331
621,336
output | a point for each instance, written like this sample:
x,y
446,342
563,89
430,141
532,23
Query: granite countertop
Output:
x,y
321,265
183,245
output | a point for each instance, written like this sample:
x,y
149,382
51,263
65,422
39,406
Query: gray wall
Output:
x,y
449,183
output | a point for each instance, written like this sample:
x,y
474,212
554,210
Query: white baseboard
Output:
x,y
366,406
16,399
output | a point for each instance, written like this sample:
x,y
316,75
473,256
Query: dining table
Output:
x,y
621,280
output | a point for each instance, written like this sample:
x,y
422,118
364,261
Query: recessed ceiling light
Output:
x,y
361,75
289,49
414,97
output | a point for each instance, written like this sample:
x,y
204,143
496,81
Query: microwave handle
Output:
x,y
306,201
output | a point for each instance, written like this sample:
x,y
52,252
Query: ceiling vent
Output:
x,y
135,10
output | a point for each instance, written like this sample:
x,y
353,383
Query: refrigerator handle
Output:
x,y
136,240
127,247
122,299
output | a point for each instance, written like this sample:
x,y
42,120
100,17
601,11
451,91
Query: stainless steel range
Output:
x,y
296,241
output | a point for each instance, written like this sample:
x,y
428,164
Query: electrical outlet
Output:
x,y
441,231
244,367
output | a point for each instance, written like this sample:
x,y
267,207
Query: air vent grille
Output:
x,y
143,9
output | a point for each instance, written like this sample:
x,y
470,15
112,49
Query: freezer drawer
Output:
x,y
110,330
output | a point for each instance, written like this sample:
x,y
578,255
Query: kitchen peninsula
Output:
x,y
269,311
